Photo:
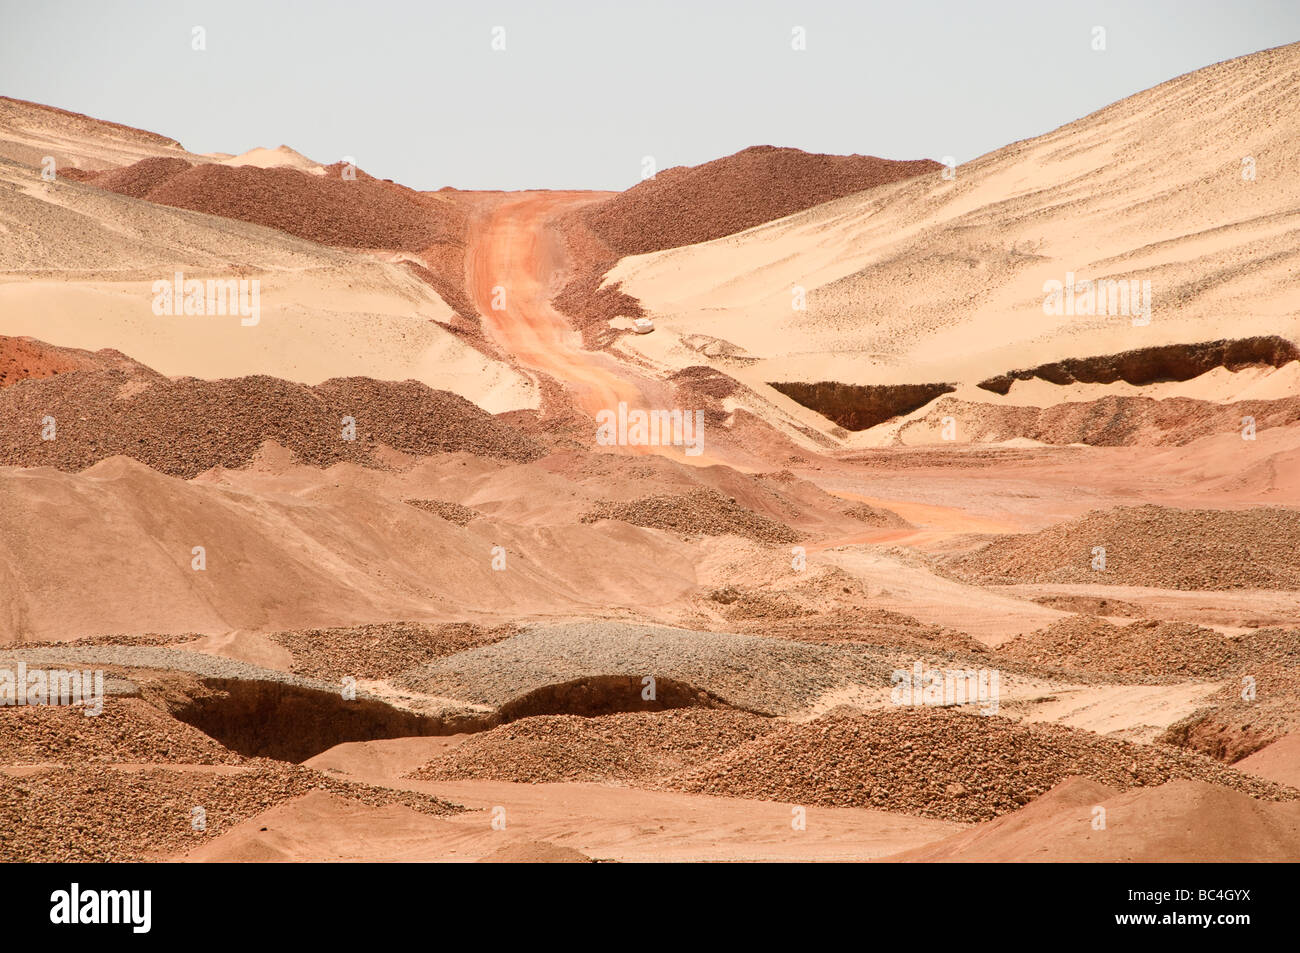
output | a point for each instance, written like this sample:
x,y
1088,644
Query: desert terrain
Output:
x,y
933,563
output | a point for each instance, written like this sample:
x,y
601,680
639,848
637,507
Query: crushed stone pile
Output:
x,y
1149,545
942,763
185,426
609,748
1145,649
382,650
89,814
702,511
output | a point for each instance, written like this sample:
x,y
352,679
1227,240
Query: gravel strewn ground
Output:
x,y
942,763
158,658
89,813
771,676
624,747
1151,546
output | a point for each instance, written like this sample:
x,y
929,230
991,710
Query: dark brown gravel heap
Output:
x,y
699,512
1141,650
622,748
127,730
186,426
1154,546
364,212
451,512
88,813
384,649
688,204
942,763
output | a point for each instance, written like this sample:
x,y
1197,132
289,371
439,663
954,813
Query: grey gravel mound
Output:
x,y
768,676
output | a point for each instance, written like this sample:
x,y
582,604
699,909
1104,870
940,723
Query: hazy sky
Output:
x,y
582,91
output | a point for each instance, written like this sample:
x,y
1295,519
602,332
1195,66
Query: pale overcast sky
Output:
x,y
582,91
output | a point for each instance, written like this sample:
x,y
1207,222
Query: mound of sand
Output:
x,y
621,748
30,131
535,852
1278,762
688,204
88,261
1180,821
1144,649
942,763
1151,546
184,427
945,279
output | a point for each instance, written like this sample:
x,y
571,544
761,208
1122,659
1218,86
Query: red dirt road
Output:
x,y
516,261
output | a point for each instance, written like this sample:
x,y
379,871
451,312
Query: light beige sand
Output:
x,y
86,281
934,280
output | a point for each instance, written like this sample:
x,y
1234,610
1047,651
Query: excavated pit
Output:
x,y
1154,365
267,719
861,406
286,722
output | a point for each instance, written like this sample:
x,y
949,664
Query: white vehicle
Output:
x,y
643,325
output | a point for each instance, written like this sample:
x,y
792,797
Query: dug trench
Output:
x,y
287,722
861,406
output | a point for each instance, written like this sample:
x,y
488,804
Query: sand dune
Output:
x,y
938,280
1181,821
83,274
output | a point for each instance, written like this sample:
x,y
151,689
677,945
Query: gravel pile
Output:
x,y
698,512
361,213
877,627
1151,546
451,512
621,748
382,650
688,204
768,676
1142,650
127,730
1232,727
89,814
942,763
186,426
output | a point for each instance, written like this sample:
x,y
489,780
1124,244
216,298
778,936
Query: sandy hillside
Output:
x,y
392,481
941,281
83,272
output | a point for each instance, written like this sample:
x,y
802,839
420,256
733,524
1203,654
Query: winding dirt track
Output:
x,y
516,252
